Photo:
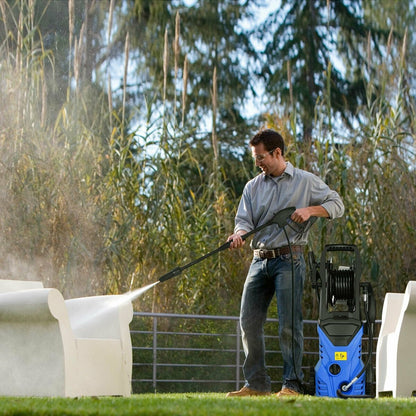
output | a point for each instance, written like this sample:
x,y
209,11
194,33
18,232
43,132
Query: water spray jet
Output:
x,y
133,295
85,318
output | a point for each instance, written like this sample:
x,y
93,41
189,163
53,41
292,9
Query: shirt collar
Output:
x,y
288,171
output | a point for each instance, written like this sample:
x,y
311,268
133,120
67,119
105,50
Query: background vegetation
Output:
x,y
124,129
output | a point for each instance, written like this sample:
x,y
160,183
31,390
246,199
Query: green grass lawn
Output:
x,y
205,404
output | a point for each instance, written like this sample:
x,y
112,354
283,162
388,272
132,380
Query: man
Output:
x,y
279,186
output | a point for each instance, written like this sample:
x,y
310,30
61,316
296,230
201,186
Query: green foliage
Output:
x,y
101,194
312,46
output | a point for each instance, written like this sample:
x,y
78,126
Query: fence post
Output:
x,y
154,353
237,361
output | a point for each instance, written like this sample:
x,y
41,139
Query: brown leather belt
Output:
x,y
276,252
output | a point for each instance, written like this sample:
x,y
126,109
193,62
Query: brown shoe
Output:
x,y
247,391
286,392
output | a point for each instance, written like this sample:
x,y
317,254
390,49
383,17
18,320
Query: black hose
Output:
x,y
340,393
293,308
301,229
341,283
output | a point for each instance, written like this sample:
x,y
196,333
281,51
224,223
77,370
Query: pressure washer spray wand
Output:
x,y
280,218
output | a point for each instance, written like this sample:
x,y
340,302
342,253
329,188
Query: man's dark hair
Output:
x,y
270,138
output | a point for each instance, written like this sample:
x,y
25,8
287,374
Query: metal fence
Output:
x,y
191,353
184,353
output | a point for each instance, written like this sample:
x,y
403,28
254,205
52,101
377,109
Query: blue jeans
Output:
x,y
266,278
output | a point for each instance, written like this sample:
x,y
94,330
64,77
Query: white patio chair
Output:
x,y
396,347
53,347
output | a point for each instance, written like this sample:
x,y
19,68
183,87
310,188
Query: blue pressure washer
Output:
x,y
340,371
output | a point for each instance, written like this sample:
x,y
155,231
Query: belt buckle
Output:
x,y
271,254
262,253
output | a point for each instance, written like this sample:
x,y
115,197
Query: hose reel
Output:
x,y
341,287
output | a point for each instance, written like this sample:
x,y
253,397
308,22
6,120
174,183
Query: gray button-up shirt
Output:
x,y
264,195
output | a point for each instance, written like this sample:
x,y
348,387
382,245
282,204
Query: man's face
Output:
x,y
267,161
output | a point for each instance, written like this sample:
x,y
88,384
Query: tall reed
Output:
x,y
95,202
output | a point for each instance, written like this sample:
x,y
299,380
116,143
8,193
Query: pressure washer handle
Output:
x,y
280,218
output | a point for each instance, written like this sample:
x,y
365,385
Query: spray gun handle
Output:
x,y
279,218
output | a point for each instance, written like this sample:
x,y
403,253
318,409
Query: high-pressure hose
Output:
x,y
293,307
304,229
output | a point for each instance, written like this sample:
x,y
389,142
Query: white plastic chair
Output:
x,y
52,347
396,347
